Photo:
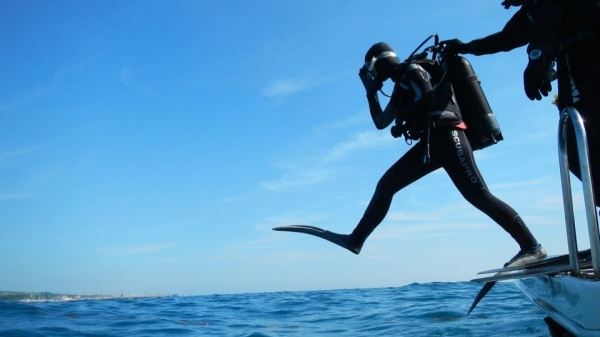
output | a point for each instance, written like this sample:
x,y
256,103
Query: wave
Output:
x,y
54,297
420,309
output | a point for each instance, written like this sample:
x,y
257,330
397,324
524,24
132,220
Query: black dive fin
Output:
x,y
583,257
549,270
339,239
481,294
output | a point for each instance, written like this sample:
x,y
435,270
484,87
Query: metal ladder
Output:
x,y
571,117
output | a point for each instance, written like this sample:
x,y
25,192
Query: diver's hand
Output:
x,y
537,77
371,85
455,46
397,131
508,3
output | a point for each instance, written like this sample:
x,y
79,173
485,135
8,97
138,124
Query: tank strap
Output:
x,y
427,154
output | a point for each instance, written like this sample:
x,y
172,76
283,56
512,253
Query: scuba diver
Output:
x,y
426,112
565,32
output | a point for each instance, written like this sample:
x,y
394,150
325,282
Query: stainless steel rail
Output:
x,y
570,116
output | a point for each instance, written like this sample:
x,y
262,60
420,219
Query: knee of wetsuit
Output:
x,y
384,185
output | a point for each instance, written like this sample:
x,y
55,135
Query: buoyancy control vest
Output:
x,y
443,111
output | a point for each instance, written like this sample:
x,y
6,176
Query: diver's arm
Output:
x,y
381,118
549,17
516,33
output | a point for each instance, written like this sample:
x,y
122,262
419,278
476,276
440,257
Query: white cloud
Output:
x,y
359,141
427,212
305,174
550,202
297,179
287,87
519,184
357,119
412,216
437,229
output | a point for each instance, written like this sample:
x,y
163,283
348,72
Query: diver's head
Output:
x,y
380,61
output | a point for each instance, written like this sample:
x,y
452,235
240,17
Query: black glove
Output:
x,y
371,85
537,77
455,46
397,131
508,3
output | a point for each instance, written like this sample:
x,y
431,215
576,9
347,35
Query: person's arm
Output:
x,y
516,33
381,119
549,18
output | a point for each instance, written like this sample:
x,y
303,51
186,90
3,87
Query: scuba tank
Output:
x,y
483,129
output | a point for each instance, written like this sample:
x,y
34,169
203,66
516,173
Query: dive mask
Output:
x,y
370,65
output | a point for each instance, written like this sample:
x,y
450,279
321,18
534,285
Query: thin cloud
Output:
x,y
550,202
429,213
16,153
297,179
59,77
287,258
412,216
519,184
438,229
13,196
352,121
140,249
15,105
322,169
13,157
287,87
7,159
298,218
127,78
259,244
359,141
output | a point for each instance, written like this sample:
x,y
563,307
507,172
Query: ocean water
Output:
x,y
432,309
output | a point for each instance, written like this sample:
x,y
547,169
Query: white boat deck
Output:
x,y
572,298
572,302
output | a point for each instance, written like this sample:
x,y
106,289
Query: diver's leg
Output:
x,y
462,169
405,171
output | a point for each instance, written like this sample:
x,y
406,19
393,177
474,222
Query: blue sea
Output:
x,y
431,309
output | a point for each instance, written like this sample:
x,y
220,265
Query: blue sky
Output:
x,y
148,147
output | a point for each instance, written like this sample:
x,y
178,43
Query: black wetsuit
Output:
x,y
412,101
567,31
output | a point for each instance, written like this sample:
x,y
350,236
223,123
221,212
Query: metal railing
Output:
x,y
570,116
